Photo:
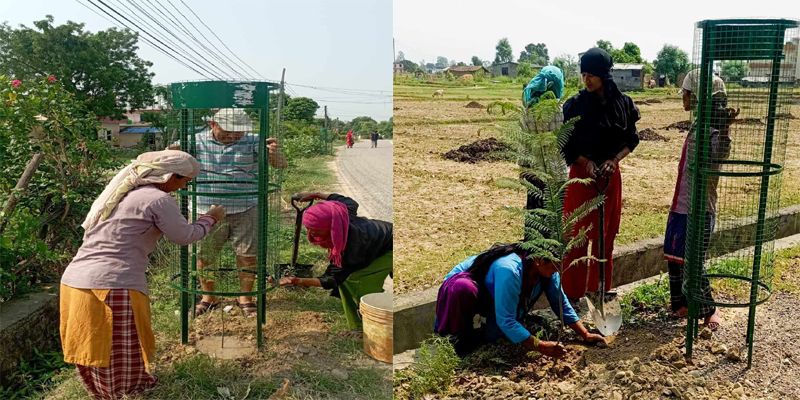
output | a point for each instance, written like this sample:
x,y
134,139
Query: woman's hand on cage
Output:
x,y
290,280
218,212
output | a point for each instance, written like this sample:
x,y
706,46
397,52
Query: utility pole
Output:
x,y
394,53
327,135
280,103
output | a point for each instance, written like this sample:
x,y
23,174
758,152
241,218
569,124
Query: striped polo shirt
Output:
x,y
236,163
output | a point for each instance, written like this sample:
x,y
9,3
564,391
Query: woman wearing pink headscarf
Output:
x,y
359,250
350,140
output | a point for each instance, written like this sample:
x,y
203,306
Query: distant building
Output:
x,y
398,68
790,66
509,69
628,76
458,71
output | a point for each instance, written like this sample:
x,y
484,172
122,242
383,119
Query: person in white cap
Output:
x,y
228,156
719,147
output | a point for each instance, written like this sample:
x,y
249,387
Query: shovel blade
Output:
x,y
607,315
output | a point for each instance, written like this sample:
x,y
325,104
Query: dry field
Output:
x,y
445,211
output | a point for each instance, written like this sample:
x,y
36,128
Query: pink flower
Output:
x,y
16,82
51,79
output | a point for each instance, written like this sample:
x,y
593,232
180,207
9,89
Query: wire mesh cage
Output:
x,y
740,95
225,126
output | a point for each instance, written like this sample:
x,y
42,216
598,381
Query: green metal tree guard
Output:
x,y
235,172
737,186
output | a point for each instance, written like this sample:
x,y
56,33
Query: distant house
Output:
x,y
458,71
628,76
130,136
790,66
398,68
509,69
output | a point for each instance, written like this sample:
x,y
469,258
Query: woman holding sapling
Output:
x,y
603,136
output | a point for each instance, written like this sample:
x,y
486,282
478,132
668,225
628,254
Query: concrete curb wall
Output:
x,y
415,312
26,323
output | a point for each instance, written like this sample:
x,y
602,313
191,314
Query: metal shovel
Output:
x,y
606,313
299,270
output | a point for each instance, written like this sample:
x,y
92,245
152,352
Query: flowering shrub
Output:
x,y
44,230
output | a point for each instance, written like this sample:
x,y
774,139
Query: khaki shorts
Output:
x,y
239,229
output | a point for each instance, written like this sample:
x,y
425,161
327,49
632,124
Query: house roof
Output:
x,y
508,62
465,68
624,66
139,129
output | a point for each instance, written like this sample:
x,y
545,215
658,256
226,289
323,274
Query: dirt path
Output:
x,y
365,174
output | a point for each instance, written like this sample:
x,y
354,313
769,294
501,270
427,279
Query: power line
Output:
x,y
144,39
185,45
220,40
156,31
332,88
189,35
148,33
218,51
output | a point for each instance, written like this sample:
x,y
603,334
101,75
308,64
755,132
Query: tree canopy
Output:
x,y
441,62
504,52
101,69
671,61
568,64
400,56
535,54
301,108
476,61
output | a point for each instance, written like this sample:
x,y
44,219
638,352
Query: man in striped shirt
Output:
x,y
228,154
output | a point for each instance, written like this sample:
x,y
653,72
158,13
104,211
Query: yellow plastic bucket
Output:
x,y
377,318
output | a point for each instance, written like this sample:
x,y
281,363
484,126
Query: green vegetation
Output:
x,y
644,300
43,371
432,373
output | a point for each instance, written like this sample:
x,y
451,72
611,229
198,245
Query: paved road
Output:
x,y
365,174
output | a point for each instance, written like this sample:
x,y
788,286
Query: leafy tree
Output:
x,y
430,66
671,61
476,61
410,66
568,64
400,56
647,68
386,128
487,63
453,63
102,69
631,50
41,116
535,54
301,108
461,64
504,52
525,70
605,45
441,62
734,71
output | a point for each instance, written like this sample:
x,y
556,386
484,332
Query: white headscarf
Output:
x,y
692,83
148,168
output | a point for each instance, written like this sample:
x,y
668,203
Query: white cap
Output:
x,y
233,120
692,83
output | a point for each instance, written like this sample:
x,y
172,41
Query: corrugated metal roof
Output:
x,y
624,66
139,129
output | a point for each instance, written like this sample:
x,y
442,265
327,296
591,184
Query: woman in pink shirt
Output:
x,y
105,311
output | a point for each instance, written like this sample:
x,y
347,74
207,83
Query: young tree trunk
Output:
x,y
21,186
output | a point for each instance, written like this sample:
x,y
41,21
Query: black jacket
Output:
x,y
604,128
367,240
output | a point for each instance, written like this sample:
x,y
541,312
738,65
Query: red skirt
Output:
x,y
583,278
126,374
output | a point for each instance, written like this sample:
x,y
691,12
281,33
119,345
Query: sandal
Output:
x,y
206,307
713,325
248,309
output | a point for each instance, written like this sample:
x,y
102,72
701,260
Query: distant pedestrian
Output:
x,y
374,137
350,140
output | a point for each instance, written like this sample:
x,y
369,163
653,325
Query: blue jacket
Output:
x,y
504,283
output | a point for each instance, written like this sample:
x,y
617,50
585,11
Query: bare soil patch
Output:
x,y
474,104
648,101
651,134
482,150
680,125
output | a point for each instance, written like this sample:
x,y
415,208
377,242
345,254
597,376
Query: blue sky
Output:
x,y
322,43
461,29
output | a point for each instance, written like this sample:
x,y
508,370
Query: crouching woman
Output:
x,y
104,304
499,286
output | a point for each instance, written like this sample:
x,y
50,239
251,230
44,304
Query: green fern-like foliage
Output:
x,y
549,231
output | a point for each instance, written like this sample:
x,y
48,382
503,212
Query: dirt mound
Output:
x,y
474,104
481,150
680,125
785,116
749,121
651,134
648,101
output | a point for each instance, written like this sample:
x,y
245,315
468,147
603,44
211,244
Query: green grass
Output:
x,y
432,373
644,300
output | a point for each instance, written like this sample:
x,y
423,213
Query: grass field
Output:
x,y
445,211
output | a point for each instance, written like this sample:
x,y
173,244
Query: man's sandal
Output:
x,y
248,309
204,307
